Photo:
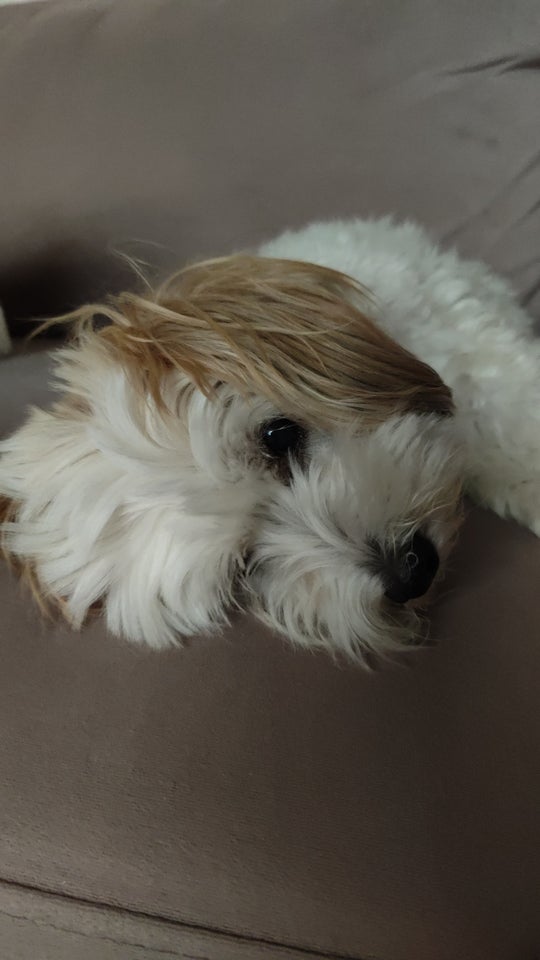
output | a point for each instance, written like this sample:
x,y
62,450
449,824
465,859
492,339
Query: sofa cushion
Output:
x,y
171,130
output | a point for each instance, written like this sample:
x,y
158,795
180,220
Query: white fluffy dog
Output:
x,y
287,433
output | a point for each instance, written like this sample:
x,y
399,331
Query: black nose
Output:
x,y
409,571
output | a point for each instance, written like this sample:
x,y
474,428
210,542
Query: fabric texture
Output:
x,y
238,798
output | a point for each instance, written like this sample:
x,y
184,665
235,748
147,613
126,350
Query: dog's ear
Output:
x,y
101,507
296,333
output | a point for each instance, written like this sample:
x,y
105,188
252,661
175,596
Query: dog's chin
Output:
x,y
364,627
381,636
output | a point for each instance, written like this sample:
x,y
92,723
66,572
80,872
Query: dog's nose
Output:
x,y
409,571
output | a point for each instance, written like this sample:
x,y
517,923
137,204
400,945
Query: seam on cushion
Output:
x,y
81,933
295,950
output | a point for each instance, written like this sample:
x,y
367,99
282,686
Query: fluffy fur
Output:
x,y
148,491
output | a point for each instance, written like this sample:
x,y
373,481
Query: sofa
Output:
x,y
238,799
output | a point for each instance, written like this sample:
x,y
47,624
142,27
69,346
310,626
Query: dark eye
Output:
x,y
282,438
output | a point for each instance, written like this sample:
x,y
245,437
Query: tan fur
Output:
x,y
295,333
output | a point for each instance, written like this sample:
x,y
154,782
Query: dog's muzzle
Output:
x,y
408,571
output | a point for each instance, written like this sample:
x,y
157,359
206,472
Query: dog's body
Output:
x,y
263,434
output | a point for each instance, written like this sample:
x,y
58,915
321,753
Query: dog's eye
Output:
x,y
281,438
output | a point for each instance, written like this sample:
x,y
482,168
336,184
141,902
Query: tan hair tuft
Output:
x,y
294,332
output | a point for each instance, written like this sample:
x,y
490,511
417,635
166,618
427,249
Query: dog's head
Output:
x,y
244,437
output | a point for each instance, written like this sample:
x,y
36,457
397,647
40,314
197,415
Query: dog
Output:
x,y
288,433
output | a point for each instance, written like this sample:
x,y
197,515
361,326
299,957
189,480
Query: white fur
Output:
x,y
173,519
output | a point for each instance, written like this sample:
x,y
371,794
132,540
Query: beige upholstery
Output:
x,y
239,800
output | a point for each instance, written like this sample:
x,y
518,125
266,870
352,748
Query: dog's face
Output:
x,y
246,439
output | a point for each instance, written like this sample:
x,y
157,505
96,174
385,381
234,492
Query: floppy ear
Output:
x,y
104,502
